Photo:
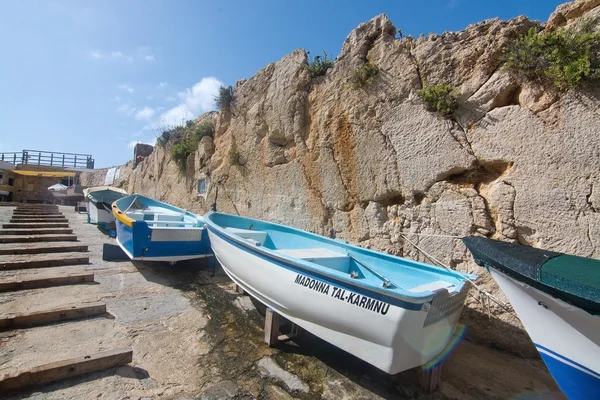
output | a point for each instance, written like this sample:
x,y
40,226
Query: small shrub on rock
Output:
x,y
364,75
204,129
567,57
188,142
234,157
440,98
318,66
164,138
224,98
181,150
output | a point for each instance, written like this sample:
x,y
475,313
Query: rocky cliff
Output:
x,y
518,162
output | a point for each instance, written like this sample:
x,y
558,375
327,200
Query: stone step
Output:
x,y
41,248
25,225
28,220
30,213
33,282
48,231
44,262
38,238
26,208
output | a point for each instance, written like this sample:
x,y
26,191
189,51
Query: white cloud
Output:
x,y
162,85
126,109
145,113
193,101
118,55
115,55
125,87
145,53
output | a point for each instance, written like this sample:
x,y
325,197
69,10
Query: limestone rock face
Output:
x,y
519,162
568,12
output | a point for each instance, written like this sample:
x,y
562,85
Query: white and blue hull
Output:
x,y
98,215
148,230
567,338
392,334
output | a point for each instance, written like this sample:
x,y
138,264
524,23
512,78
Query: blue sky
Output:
x,y
93,77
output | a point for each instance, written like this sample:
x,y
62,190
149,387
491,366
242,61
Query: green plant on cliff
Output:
x,y
567,57
318,66
204,129
188,142
181,150
224,99
234,157
364,75
440,98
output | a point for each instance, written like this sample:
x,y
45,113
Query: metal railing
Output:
x,y
13,158
50,159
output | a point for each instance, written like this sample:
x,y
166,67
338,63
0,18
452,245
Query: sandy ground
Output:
x,y
194,337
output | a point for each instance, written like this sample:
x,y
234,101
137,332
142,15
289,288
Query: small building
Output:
x,y
30,183
7,181
26,176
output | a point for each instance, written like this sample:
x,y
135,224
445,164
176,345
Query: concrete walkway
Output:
x,y
193,336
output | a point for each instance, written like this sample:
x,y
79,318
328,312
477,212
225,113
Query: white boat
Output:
x,y
393,313
99,200
557,298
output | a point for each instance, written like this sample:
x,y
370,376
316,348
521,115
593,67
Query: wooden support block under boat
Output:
x,y
430,378
240,290
271,327
272,336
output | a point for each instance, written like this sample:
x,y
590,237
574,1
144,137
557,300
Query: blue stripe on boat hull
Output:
x,y
320,277
575,381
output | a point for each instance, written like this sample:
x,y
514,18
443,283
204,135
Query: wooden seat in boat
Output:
x,y
325,257
257,238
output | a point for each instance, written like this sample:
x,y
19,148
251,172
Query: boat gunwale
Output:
x,y
399,294
558,294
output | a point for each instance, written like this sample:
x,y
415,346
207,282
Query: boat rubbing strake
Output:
x,y
393,313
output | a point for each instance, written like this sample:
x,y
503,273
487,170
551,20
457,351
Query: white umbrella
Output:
x,y
57,187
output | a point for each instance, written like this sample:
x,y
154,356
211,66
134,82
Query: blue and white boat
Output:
x,y
393,313
99,200
557,297
150,230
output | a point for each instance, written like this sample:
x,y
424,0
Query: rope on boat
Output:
x,y
433,234
130,204
484,295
